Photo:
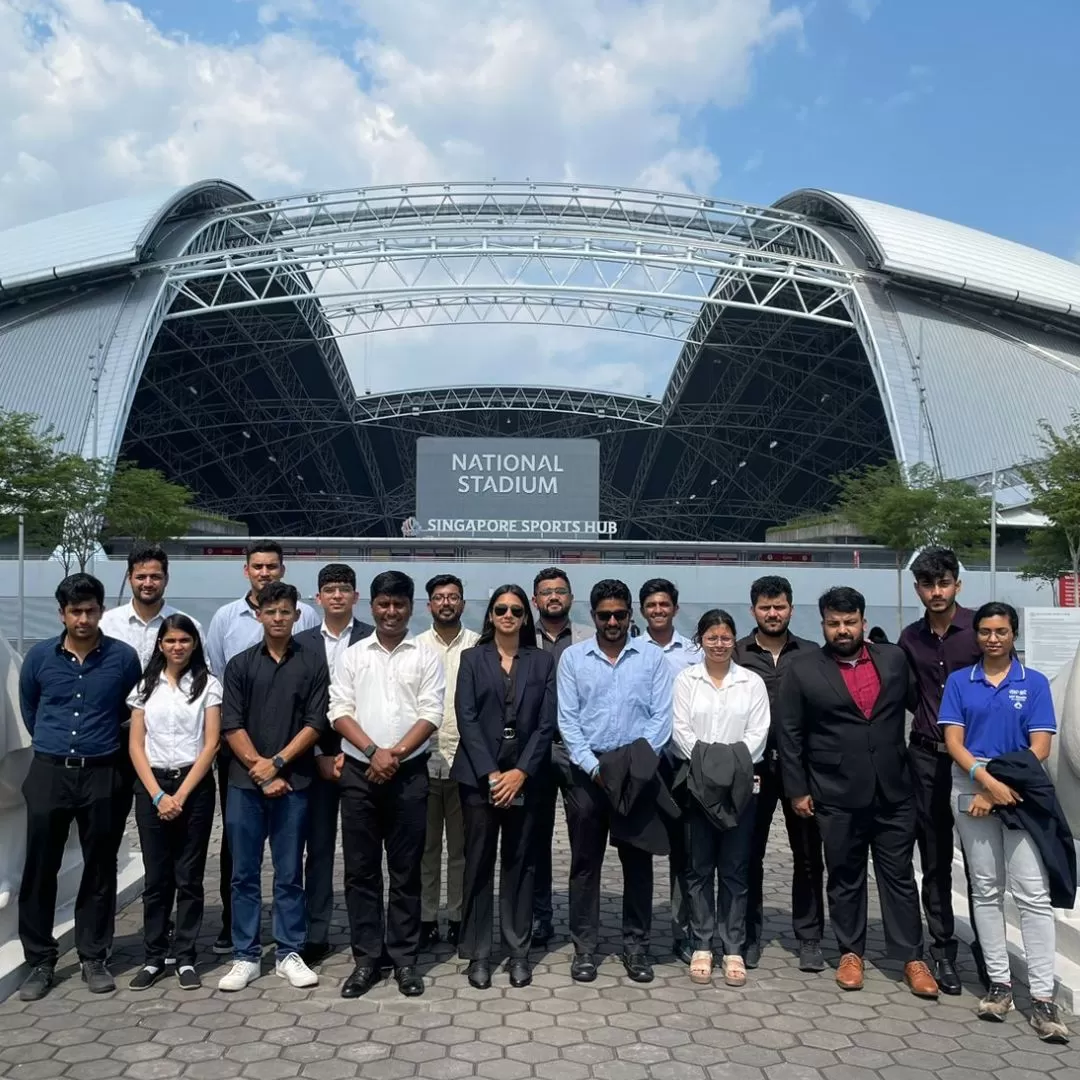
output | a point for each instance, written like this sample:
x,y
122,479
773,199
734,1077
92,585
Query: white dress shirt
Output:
x,y
336,644
386,693
125,624
445,741
736,711
175,727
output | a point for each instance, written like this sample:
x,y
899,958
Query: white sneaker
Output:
x,y
291,967
239,975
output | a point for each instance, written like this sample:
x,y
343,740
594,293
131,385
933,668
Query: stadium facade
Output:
x,y
197,331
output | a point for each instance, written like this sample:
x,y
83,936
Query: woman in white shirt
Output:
x,y
175,730
718,702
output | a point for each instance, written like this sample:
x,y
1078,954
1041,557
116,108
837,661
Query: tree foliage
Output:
x,y
30,468
144,506
1048,556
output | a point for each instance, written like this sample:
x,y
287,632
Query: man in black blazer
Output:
x,y
337,597
844,761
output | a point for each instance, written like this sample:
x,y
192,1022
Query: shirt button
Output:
x,y
76,714
74,733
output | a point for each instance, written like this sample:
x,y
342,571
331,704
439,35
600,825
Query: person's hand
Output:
x,y
803,806
168,808
276,788
998,793
980,806
383,766
339,765
327,767
262,770
505,789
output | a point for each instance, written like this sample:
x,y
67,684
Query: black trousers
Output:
x,y
549,783
122,802
807,863
588,818
55,797
224,853
679,856
174,861
324,797
886,830
374,817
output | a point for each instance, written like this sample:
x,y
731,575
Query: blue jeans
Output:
x,y
250,817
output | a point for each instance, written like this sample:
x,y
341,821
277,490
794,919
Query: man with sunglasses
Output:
x,y
613,690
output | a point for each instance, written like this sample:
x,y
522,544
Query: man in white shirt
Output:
x,y
386,701
340,628
234,628
446,602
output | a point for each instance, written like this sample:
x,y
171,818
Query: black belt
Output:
x,y
927,742
77,761
177,773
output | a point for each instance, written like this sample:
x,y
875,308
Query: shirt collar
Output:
x,y
962,620
1016,673
101,645
566,631
372,643
327,633
852,661
437,640
751,643
631,646
678,641
133,615
736,673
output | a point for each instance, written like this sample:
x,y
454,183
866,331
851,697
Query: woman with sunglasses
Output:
x,y
994,708
719,702
505,700
175,731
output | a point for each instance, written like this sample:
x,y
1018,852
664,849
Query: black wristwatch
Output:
x,y
278,762
369,750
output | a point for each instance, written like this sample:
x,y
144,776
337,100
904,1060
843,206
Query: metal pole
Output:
x,y
22,584
993,534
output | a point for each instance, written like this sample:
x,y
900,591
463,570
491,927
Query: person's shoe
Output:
x,y
1047,1022
145,977
583,967
752,954
38,983
849,975
637,966
520,972
947,978
453,932
683,953
97,977
479,974
187,977
429,936
362,979
315,952
811,958
409,982
292,967
239,975
222,944
542,934
734,969
997,1004
919,979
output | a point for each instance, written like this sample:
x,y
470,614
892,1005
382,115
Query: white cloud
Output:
x,y
98,101
862,9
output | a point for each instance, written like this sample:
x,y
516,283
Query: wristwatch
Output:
x,y
278,762
369,750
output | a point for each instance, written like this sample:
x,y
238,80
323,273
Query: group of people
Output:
x,y
658,744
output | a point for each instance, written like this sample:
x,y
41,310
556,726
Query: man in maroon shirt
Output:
x,y
844,761
938,644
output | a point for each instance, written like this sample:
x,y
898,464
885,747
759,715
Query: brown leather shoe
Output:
x,y
849,975
919,979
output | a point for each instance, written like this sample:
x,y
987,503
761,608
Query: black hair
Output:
x,y
878,636
770,585
263,547
275,591
527,633
655,585
77,589
393,583
196,661
714,617
997,608
550,574
148,553
935,563
609,589
337,573
439,580
842,599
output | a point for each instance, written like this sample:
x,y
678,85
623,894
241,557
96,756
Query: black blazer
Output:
x,y
478,703
330,740
828,749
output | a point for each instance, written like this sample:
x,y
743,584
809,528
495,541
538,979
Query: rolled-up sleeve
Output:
x,y
432,694
343,686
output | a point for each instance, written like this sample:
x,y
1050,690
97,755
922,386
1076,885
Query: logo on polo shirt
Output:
x,y
1018,697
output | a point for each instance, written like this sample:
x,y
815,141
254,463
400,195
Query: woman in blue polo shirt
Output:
x,y
999,706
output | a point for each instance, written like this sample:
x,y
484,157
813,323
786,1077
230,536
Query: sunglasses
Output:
x,y
515,609
607,616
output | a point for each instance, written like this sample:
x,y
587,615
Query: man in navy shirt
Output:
x,y
72,692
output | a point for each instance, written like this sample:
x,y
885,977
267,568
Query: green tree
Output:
x,y
911,509
71,527
1048,556
31,469
144,506
1055,487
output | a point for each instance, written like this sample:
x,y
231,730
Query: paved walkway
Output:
x,y
785,1025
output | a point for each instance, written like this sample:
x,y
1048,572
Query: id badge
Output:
x,y
757,785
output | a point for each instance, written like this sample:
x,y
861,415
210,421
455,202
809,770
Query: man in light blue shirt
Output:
x,y
613,690
234,628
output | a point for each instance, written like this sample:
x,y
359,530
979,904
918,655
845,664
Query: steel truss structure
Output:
x,y
245,395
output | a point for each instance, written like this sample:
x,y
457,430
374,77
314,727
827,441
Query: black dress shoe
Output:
x,y
520,972
363,978
315,952
947,979
409,982
583,967
542,934
38,983
97,977
752,954
811,958
479,974
453,932
637,967
683,952
429,936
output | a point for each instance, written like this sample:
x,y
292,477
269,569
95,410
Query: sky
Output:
x,y
962,109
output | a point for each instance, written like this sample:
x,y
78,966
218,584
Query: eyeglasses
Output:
x,y
446,598
718,643
558,590
515,609
606,616
988,632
